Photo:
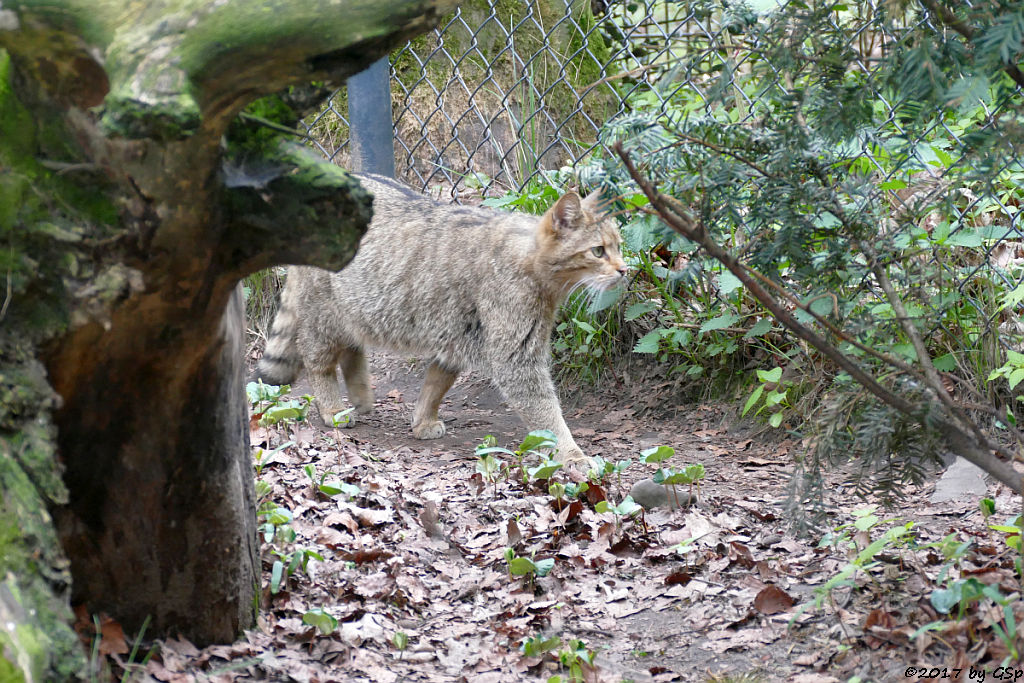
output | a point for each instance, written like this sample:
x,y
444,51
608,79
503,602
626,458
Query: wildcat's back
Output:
x,y
467,287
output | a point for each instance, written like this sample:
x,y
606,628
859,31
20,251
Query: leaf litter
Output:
x,y
411,574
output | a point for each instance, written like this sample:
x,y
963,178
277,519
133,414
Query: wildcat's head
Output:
x,y
578,245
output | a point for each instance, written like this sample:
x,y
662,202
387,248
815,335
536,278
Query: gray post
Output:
x,y
369,120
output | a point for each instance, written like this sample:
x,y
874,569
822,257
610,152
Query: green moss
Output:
x,y
172,119
16,128
47,221
93,20
8,672
42,645
328,202
254,130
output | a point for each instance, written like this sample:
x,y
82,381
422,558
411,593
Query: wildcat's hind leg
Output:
x,y
425,423
357,379
321,360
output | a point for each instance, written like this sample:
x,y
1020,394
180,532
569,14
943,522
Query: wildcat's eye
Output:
x,y
597,251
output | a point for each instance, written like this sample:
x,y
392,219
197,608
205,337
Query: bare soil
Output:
x,y
693,594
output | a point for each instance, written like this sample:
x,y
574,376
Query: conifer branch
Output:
x,y
948,18
960,442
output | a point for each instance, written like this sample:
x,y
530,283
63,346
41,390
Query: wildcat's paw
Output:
x,y
326,417
573,456
430,429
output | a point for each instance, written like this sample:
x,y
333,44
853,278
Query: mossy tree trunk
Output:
x,y
133,196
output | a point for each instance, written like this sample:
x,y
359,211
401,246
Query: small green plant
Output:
x,y
574,659
276,523
269,405
537,646
545,470
287,564
574,490
601,469
557,491
960,595
400,640
1012,370
490,470
342,418
626,508
262,456
987,507
690,475
535,443
772,393
562,492
1013,533
277,531
845,537
330,489
527,566
321,620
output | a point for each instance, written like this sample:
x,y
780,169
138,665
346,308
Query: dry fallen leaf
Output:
x,y
772,600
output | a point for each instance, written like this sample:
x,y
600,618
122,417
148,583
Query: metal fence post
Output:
x,y
369,118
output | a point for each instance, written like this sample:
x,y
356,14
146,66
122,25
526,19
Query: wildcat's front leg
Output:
x,y
532,394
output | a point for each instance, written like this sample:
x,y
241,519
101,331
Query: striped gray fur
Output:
x,y
468,288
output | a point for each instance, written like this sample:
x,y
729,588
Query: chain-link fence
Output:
x,y
489,100
501,93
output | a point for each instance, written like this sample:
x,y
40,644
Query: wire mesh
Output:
x,y
496,97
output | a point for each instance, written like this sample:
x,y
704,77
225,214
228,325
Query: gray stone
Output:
x,y
649,495
960,479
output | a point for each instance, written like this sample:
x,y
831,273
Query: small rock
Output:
x,y
649,495
960,479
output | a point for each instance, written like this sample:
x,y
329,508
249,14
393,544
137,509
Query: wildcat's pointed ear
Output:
x,y
567,213
593,203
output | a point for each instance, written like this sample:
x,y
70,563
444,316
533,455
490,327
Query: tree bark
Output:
x,y
132,199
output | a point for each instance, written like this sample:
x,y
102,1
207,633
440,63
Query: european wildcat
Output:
x,y
467,287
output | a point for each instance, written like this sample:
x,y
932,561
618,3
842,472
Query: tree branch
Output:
x,y
290,208
950,19
959,441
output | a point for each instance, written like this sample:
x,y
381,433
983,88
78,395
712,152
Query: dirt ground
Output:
x,y
415,574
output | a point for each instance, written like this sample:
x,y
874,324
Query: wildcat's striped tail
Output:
x,y
281,362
